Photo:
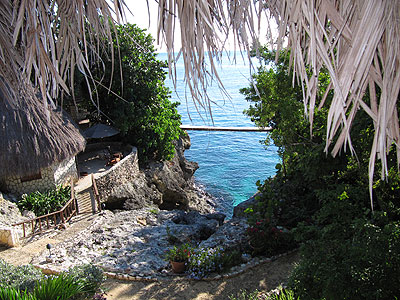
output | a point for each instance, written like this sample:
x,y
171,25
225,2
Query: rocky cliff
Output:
x,y
165,184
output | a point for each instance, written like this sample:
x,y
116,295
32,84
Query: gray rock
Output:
x,y
231,235
238,210
220,217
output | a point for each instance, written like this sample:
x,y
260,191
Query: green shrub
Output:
x,y
139,104
23,278
204,261
61,287
269,239
180,253
256,295
9,293
348,254
46,202
89,275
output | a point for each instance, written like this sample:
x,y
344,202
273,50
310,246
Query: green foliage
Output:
x,y
348,254
347,251
46,202
256,295
139,104
204,261
268,239
9,293
27,282
181,253
18,277
61,287
90,276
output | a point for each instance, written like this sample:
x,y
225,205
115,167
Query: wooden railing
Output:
x,y
52,220
96,193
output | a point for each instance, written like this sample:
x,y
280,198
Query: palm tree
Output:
x,y
357,41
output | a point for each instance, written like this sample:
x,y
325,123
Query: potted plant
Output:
x,y
178,257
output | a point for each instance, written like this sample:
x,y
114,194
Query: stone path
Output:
x,y
265,277
33,246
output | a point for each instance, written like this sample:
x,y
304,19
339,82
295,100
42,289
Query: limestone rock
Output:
x,y
238,210
166,184
9,212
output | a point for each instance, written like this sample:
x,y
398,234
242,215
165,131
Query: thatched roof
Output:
x,y
32,136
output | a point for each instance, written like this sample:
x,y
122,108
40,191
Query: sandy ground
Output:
x,y
265,277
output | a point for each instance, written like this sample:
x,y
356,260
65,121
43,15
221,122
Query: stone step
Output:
x,y
84,199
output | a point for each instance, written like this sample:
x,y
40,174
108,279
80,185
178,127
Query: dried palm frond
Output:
x,y
357,41
43,41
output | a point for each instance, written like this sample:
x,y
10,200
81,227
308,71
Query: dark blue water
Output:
x,y
230,162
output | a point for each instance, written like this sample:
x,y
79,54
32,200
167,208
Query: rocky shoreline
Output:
x,y
132,238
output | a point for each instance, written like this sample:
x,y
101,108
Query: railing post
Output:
x,y
23,229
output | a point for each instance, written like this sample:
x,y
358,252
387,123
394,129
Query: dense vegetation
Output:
x,y
139,105
27,282
42,203
348,251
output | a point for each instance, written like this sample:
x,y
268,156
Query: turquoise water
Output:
x,y
230,162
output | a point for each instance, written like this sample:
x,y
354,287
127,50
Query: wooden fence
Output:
x,y
96,194
52,220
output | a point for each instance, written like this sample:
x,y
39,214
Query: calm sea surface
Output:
x,y
230,162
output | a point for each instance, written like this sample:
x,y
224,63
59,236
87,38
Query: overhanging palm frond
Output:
x,y
43,41
357,41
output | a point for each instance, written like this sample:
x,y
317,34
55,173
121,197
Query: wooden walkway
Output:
x,y
214,128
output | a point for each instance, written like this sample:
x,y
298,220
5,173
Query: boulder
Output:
x,y
230,236
238,210
9,212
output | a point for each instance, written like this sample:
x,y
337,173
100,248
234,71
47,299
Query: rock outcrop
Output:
x,y
166,184
9,212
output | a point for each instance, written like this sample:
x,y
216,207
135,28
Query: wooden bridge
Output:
x,y
215,128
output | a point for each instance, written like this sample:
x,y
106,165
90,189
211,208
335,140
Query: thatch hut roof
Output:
x,y
33,136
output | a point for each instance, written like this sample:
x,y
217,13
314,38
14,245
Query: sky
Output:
x,y
140,17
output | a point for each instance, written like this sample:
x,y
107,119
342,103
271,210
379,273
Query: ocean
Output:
x,y
230,163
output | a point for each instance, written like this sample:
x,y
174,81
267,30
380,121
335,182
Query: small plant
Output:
x,y
21,278
99,296
257,295
46,202
154,211
171,236
61,287
91,277
268,239
181,253
245,295
204,261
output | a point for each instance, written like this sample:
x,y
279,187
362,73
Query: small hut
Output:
x,y
38,143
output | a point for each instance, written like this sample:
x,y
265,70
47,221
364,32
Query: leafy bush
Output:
x,y
23,278
181,253
205,261
269,239
256,295
46,202
10,293
348,254
29,282
61,287
89,275
139,104
347,251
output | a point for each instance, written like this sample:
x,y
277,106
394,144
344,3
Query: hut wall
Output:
x,y
65,171
58,173
16,185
